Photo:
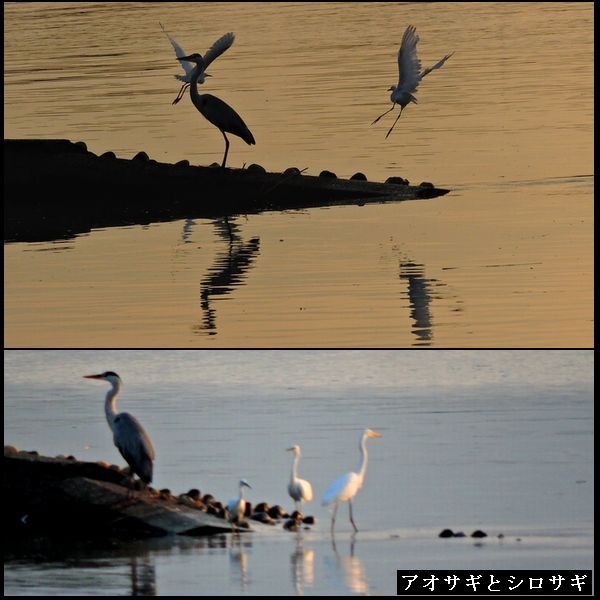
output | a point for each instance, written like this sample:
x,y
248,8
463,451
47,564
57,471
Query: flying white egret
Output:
x,y
219,113
299,489
222,44
236,507
410,74
346,487
129,436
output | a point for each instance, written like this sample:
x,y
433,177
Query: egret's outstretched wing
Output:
x,y
436,66
222,44
409,65
179,52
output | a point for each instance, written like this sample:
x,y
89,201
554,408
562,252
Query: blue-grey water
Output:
x,y
494,440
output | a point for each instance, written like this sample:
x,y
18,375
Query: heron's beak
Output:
x,y
375,434
290,449
207,75
93,377
188,58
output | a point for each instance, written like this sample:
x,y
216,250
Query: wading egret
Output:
x,y
129,436
299,489
410,74
236,507
346,487
222,44
220,114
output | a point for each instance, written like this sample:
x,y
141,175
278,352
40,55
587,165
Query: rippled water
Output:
x,y
506,259
496,440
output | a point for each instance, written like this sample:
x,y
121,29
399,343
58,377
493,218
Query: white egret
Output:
x,y
129,436
299,489
236,507
222,44
219,113
410,74
346,487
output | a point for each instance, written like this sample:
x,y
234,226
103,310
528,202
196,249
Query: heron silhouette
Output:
x,y
219,113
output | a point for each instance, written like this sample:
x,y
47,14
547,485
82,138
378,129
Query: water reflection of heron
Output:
x,y
143,577
228,272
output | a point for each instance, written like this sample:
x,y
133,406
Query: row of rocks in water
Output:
x,y
478,533
256,168
261,512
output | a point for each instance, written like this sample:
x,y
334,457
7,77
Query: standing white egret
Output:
x,y
236,507
219,113
346,487
222,44
129,436
299,489
410,74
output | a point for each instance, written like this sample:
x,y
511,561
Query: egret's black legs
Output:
x,y
351,519
181,92
383,115
392,127
333,517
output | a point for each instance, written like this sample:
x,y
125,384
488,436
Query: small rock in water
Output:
x,y
359,176
397,180
183,163
254,168
446,533
141,156
292,171
108,155
426,184
276,512
310,520
82,146
263,517
194,494
328,174
479,534
261,507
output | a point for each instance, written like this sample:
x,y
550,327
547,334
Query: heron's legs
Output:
x,y
226,148
351,519
392,127
181,92
333,517
383,115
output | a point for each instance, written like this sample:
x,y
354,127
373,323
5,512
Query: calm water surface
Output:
x,y
497,440
506,259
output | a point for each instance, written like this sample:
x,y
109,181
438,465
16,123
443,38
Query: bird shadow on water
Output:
x,y
228,271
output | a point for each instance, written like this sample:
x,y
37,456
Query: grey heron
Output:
x,y
347,486
222,44
219,113
129,436
410,74
299,489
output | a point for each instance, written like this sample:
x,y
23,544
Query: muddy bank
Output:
x,y
54,189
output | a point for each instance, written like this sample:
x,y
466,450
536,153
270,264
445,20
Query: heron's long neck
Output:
x,y
110,405
363,464
194,95
241,492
